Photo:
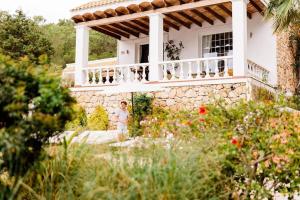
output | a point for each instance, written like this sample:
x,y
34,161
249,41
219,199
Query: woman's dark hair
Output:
x,y
124,102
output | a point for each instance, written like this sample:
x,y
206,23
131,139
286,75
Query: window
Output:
x,y
217,44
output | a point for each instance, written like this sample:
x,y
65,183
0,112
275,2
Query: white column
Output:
x,y
82,53
239,29
156,39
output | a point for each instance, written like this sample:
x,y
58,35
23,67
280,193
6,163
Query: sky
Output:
x,y
51,10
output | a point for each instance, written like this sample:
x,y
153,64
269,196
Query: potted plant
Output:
x,y
173,52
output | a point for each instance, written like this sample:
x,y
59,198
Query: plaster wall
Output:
x,y
261,43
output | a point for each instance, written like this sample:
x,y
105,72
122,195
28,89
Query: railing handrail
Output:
x,y
117,66
196,59
257,65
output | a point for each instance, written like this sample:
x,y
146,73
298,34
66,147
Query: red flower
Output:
x,y
236,142
202,110
202,120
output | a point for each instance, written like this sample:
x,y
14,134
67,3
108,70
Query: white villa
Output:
x,y
228,49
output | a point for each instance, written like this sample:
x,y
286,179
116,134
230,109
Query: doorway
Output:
x,y
144,58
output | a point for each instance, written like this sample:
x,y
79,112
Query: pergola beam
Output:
x,y
146,20
125,29
116,31
176,8
146,32
202,16
215,14
101,30
171,24
178,20
257,7
188,17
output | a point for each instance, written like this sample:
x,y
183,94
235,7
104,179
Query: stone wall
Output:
x,y
286,72
177,98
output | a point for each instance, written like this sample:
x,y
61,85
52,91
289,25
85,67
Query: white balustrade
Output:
x,y
199,68
105,75
257,71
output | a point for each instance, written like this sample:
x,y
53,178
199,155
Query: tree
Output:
x,y
285,13
62,37
286,16
34,107
21,36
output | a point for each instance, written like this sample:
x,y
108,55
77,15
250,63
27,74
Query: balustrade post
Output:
x,y
216,68
190,76
198,69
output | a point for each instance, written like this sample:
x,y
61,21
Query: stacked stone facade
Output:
x,y
176,97
286,71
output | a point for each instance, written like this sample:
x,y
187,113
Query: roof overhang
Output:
x,y
132,19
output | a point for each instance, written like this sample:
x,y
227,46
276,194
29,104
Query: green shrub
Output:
x,y
142,106
262,94
34,107
79,120
98,120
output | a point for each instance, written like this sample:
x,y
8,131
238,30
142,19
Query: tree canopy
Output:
x,y
285,13
20,36
63,38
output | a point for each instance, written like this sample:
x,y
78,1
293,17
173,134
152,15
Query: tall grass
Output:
x,y
184,171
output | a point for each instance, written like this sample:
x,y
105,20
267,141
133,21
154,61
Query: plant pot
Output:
x,y
230,72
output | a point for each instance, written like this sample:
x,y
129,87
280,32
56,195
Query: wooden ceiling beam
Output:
x,y
202,16
257,7
101,30
178,20
146,20
170,9
225,9
146,32
171,24
229,12
125,29
188,17
215,14
114,30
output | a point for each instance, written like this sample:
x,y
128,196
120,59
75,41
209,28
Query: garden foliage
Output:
x,y
21,36
98,120
142,106
260,143
33,107
79,119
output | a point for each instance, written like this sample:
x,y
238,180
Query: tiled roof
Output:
x,y
96,3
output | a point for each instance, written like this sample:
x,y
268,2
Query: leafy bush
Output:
x,y
261,94
142,106
260,143
79,119
98,120
33,107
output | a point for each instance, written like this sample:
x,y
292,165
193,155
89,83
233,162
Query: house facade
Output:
x,y
199,50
